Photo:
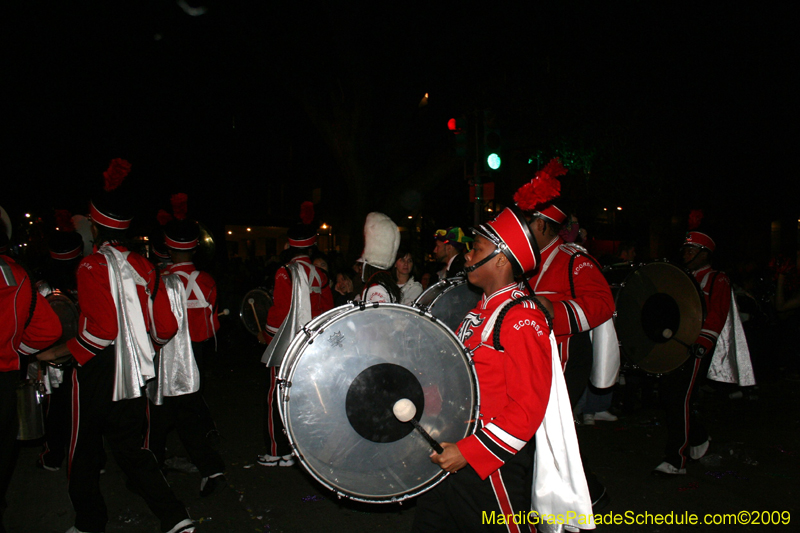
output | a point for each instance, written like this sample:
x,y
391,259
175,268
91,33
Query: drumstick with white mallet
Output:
x,y
252,303
404,410
224,312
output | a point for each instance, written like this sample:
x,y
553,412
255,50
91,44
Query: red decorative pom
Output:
x,y
307,212
179,205
541,189
64,220
695,217
115,173
163,217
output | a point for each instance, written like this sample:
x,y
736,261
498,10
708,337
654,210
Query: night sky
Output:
x,y
251,106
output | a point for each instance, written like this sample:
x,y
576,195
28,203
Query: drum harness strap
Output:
x,y
200,301
496,320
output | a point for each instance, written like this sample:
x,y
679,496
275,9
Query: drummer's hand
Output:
x,y
51,354
451,460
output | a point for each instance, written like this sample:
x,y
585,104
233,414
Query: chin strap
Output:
x,y
482,261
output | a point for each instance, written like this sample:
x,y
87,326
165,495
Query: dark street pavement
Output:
x,y
754,465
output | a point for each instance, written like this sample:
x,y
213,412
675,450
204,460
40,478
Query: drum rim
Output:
x,y
242,307
448,284
635,267
284,377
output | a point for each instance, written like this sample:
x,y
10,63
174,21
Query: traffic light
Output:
x,y
458,126
491,142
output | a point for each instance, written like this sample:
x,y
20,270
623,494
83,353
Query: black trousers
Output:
x,y
465,502
576,376
122,424
684,428
9,426
190,417
57,422
275,438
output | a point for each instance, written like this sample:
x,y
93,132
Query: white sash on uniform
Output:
x,y
178,373
133,348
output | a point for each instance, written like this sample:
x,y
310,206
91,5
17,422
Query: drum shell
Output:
x,y
659,312
30,411
449,300
324,361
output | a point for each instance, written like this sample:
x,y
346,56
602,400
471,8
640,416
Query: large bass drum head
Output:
x,y
449,300
344,374
660,312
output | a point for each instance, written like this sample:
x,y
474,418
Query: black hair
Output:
x,y
378,276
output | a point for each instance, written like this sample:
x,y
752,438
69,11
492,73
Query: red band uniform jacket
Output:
x,y
514,383
97,324
16,295
203,320
716,289
321,295
580,294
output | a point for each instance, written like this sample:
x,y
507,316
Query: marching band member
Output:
x,y
123,313
66,251
522,395
301,293
27,324
181,404
582,301
686,435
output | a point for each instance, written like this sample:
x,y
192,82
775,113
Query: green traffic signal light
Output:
x,y
493,161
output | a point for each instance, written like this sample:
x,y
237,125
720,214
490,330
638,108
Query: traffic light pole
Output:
x,y
476,172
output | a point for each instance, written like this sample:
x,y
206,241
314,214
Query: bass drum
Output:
x,y
660,311
253,310
449,300
342,375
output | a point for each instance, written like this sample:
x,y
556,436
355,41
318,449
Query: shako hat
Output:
x,y
108,207
304,234
537,196
65,243
381,241
511,235
696,238
181,233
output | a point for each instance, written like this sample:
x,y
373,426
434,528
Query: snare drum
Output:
x,y
449,300
253,310
340,379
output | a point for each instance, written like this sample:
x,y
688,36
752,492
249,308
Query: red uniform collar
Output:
x,y
184,267
498,297
550,248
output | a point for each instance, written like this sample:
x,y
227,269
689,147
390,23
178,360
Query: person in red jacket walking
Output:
x,y
284,313
123,315
188,412
495,467
27,325
686,435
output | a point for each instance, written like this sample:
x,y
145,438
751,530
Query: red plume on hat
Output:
x,y
179,205
695,217
64,220
163,217
307,212
542,188
115,174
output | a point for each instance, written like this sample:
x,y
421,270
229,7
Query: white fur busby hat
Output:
x,y
381,241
